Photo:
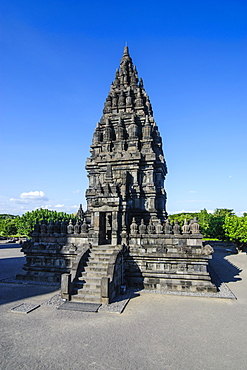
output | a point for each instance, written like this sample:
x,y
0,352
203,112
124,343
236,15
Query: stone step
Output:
x,y
89,291
86,298
88,286
90,280
100,259
100,253
97,263
94,273
92,268
104,246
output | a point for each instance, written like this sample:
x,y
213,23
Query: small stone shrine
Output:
x,y
124,237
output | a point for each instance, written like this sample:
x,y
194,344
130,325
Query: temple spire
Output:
x,y
126,51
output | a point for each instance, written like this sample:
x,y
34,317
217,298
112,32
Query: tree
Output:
x,y
180,217
211,225
204,220
7,227
223,212
10,228
235,229
26,222
215,227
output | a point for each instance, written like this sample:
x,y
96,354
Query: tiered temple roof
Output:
x,y
127,159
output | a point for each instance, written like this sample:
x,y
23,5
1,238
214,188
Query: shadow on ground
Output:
x,y
10,246
12,290
225,270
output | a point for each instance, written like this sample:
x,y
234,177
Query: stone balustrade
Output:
x,y
168,229
60,227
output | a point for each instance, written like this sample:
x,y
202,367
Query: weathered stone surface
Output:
x,y
125,226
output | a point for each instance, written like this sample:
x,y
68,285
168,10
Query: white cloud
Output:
x,y
59,205
37,195
193,191
30,197
210,211
47,206
187,211
241,213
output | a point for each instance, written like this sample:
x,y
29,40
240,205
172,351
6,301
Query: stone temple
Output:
x,y
124,237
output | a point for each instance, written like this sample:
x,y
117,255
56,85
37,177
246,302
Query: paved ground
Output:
x,y
154,332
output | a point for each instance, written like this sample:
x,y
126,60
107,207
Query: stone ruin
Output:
x,y
124,237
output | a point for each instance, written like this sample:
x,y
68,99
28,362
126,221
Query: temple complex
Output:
x,y
124,237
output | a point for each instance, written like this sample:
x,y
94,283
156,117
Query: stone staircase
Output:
x,y
87,288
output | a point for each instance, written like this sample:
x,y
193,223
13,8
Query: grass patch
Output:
x,y
211,239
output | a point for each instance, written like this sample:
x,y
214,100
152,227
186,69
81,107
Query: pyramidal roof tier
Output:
x,y
127,127
126,158
127,89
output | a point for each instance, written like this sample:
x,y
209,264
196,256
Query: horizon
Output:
x,y
57,66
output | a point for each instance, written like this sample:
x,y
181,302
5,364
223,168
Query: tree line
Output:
x,y
22,226
222,224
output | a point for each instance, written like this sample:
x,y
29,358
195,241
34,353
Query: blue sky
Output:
x,y
58,59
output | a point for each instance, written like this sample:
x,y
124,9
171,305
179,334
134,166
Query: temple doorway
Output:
x,y
105,228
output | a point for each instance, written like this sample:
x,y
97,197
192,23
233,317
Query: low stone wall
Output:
x,y
169,262
50,256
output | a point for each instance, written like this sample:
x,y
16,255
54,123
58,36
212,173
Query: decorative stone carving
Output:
x,y
176,228
77,227
80,213
185,227
84,227
108,131
167,227
72,247
159,228
133,131
207,250
70,227
107,107
129,98
120,130
133,227
121,101
50,227
138,101
151,228
195,228
43,228
114,100
57,226
64,227
142,227
162,249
